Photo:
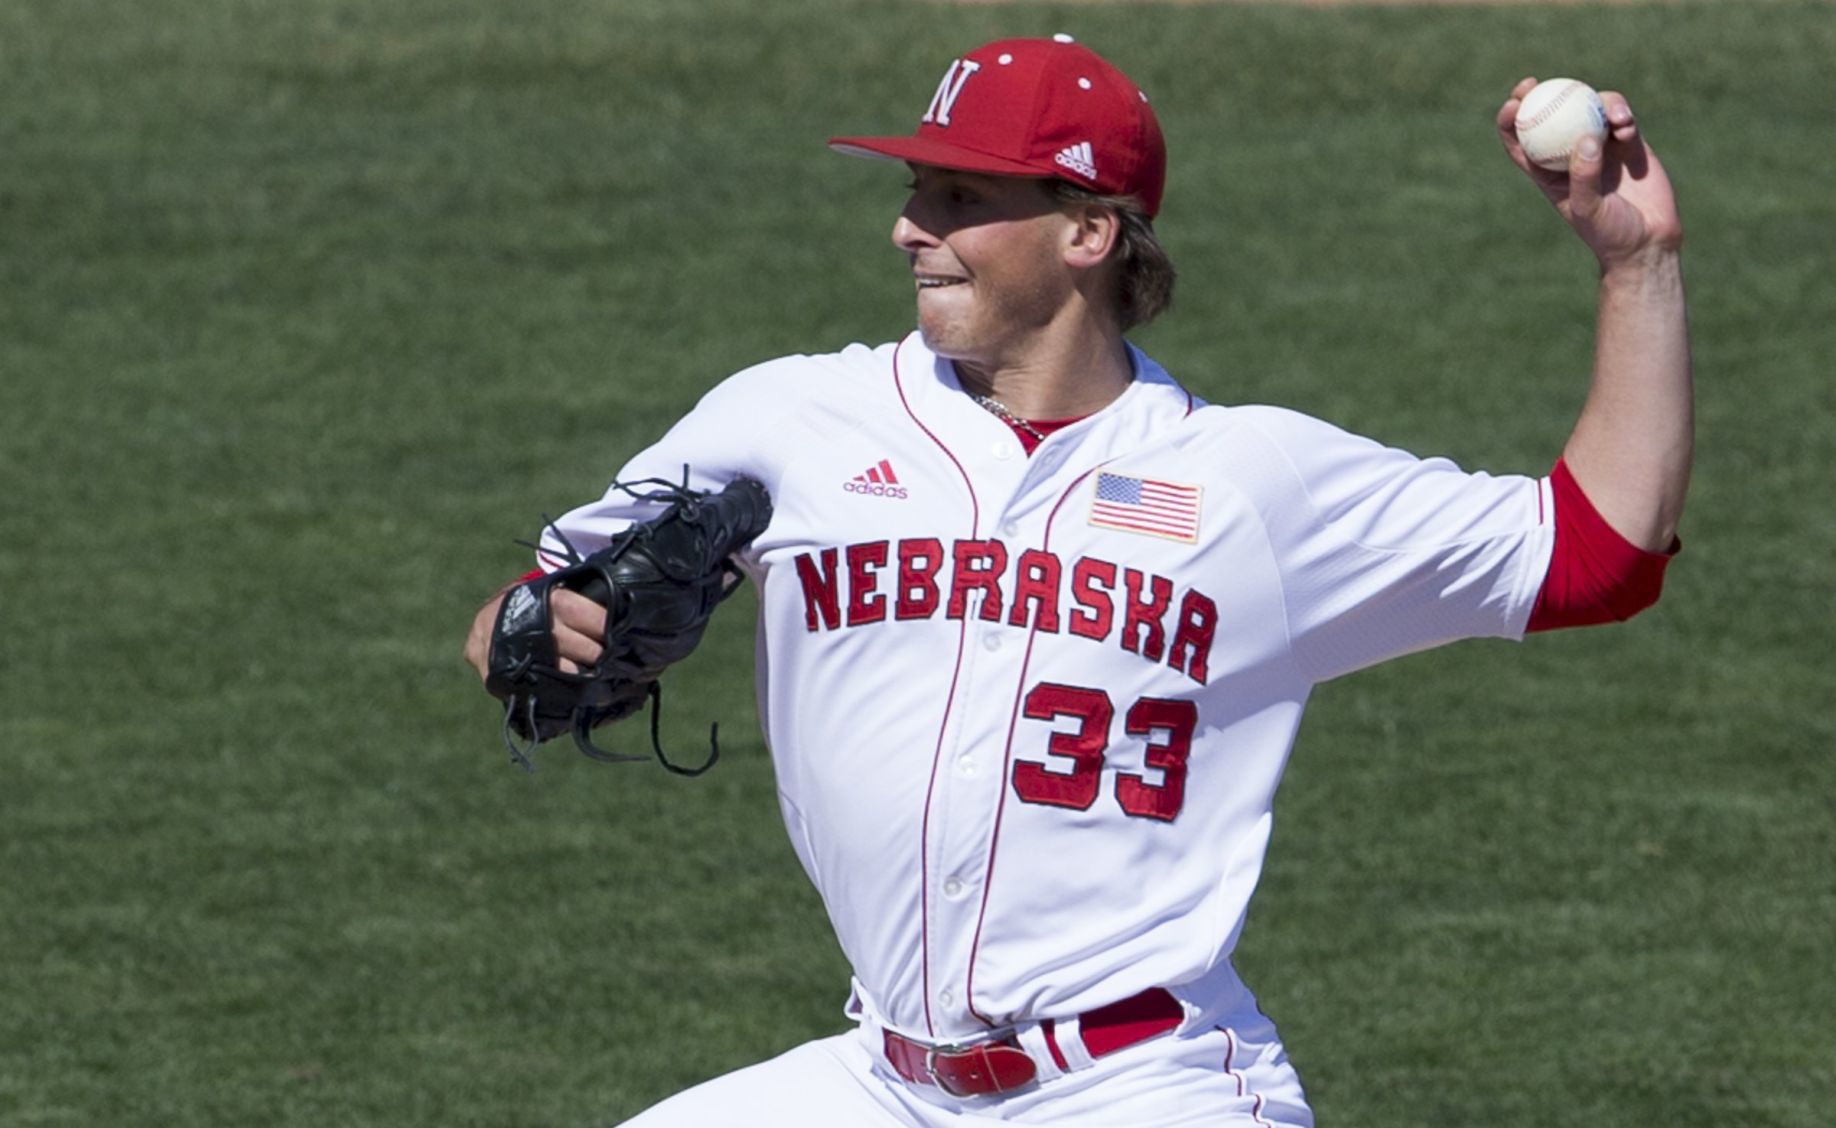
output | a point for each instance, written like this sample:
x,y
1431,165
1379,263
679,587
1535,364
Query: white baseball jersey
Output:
x,y
1028,714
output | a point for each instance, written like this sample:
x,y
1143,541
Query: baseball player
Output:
x,y
1038,624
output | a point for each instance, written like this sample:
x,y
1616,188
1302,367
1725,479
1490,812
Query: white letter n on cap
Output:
x,y
947,91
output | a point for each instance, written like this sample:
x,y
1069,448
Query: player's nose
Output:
x,y
910,236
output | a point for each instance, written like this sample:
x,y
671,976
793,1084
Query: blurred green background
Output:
x,y
308,310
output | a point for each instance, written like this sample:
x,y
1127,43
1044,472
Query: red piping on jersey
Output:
x,y
1230,1057
1007,760
930,791
1595,574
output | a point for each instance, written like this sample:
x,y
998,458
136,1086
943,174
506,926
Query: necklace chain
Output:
x,y
995,407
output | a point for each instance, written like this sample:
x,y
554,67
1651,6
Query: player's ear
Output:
x,y
1093,232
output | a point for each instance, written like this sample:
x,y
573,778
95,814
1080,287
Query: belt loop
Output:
x,y
1032,1039
1069,1035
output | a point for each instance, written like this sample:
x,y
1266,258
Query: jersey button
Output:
x,y
965,765
1003,450
1011,529
991,642
947,998
953,888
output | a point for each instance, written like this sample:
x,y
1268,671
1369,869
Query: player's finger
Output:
x,y
577,651
1507,133
579,625
1586,167
577,612
1620,121
1507,113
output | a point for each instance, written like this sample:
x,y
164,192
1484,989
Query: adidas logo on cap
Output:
x,y
1079,159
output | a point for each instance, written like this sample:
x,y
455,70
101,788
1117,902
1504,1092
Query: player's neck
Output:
x,y
1065,376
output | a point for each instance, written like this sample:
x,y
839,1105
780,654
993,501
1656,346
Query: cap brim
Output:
x,y
925,151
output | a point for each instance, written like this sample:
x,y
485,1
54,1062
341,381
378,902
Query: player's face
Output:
x,y
987,260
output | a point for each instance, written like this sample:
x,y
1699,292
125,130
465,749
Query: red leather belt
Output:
x,y
1000,1065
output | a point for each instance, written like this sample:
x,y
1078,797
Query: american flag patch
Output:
x,y
1144,505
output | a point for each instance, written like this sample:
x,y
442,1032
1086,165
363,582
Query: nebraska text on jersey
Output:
x,y
1092,598
1145,505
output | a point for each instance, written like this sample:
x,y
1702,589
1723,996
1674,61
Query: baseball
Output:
x,y
1553,119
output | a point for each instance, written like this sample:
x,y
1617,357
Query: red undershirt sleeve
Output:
x,y
1595,575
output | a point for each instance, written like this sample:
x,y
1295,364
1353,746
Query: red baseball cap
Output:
x,y
1036,107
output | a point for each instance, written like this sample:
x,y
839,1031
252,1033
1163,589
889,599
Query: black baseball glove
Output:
x,y
659,582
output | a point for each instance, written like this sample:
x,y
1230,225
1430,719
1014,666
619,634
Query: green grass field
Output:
x,y
308,310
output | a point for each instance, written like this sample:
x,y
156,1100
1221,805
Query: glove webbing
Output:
x,y
583,740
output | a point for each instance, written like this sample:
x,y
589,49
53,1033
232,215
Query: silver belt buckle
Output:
x,y
930,1067
931,1053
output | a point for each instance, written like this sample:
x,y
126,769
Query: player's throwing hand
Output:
x,y
1616,196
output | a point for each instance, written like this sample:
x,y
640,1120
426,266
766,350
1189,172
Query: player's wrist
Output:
x,y
1653,265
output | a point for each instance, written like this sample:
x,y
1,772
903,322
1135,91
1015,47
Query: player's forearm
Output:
x,y
1631,449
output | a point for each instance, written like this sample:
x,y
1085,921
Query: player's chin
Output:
x,y
941,327
946,337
